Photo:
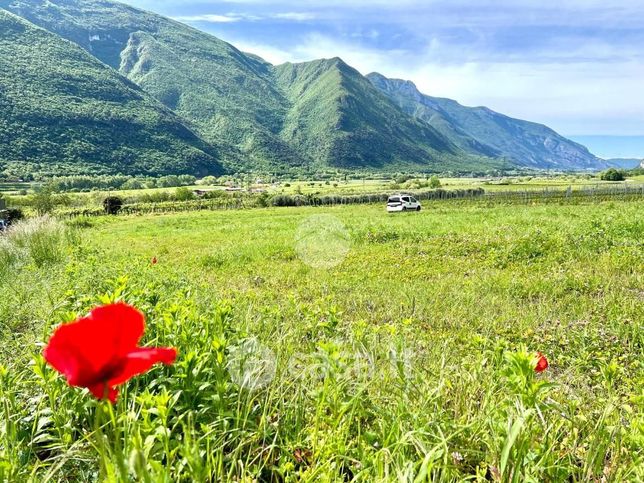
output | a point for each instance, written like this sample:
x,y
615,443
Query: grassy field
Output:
x,y
337,344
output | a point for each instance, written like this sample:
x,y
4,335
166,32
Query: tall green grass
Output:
x,y
409,361
41,241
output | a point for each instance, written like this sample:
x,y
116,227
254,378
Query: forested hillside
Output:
x,y
61,110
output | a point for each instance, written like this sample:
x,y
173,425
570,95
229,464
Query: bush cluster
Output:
x,y
118,182
613,174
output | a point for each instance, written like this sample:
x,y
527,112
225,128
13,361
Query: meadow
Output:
x,y
337,344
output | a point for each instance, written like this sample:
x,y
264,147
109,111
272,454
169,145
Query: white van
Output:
x,y
402,203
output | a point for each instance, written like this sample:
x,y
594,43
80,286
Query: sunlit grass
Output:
x,y
408,361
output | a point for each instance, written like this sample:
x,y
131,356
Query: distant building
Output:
x,y
201,193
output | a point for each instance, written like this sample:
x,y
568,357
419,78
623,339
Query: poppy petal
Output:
x,y
141,360
85,349
122,324
64,357
98,390
542,363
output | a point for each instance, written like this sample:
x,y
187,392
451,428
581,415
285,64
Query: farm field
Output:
x,y
14,188
75,202
337,344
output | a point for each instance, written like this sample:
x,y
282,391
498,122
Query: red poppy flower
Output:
x,y
154,261
542,363
100,351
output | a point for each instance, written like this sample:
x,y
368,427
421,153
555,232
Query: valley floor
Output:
x,y
373,347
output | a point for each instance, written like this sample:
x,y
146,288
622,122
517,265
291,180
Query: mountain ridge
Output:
x,y
60,105
482,130
311,115
366,128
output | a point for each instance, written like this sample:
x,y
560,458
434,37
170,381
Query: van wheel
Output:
x,y
418,209
404,208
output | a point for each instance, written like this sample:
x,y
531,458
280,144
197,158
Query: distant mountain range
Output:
x,y
482,131
111,88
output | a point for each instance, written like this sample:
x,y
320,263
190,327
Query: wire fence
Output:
x,y
592,194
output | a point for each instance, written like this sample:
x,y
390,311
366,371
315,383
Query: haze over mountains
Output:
x,y
117,89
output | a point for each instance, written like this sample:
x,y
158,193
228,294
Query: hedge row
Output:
x,y
316,200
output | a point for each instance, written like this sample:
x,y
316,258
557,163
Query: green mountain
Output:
x,y
229,96
338,118
61,110
319,114
482,131
237,109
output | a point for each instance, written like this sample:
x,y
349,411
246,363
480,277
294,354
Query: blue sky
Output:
x,y
575,65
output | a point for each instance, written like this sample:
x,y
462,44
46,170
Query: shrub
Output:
x,y
184,194
155,197
43,201
213,195
132,184
613,174
263,200
208,181
434,182
112,205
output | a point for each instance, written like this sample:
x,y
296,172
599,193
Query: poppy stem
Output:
x,y
98,433
117,435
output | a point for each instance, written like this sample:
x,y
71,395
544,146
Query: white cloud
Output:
x,y
296,16
240,17
577,98
270,54
209,18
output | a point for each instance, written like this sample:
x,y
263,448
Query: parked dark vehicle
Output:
x,y
8,217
